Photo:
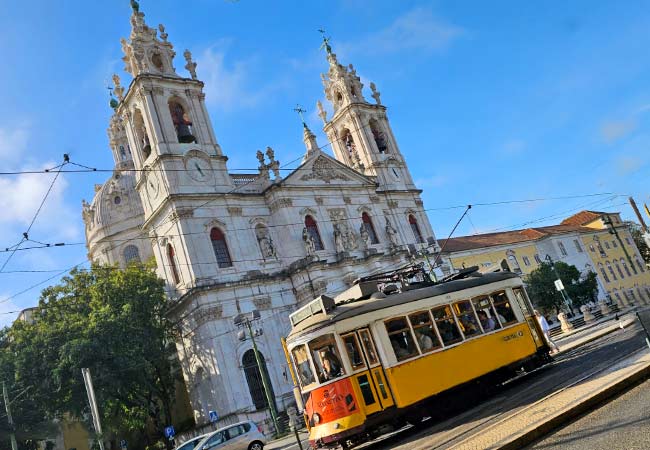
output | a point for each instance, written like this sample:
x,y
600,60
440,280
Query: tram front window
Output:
x,y
354,353
446,325
326,357
504,309
401,338
467,318
301,361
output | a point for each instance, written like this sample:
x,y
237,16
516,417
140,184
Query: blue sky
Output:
x,y
489,101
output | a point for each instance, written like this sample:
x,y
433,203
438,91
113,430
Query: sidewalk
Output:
x,y
588,333
289,442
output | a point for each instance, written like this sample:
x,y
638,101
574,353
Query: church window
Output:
x,y
379,136
312,229
220,248
172,264
117,200
131,254
416,229
370,228
254,374
141,134
182,123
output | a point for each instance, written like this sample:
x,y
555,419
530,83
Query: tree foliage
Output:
x,y
637,235
108,320
541,286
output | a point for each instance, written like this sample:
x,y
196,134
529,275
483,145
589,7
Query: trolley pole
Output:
x,y
12,434
243,320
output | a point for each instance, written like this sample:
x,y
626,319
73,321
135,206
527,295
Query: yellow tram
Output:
x,y
386,350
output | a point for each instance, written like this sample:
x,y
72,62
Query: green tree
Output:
x,y
113,322
540,284
637,234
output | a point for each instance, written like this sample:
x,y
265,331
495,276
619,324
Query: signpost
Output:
x,y
170,432
123,444
558,285
213,416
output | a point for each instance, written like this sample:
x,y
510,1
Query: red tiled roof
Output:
x,y
583,217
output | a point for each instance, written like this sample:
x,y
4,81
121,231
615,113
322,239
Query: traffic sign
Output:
x,y
170,432
558,285
123,444
213,416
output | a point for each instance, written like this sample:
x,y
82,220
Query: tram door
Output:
x,y
377,378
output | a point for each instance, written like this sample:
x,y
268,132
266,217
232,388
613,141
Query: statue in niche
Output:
x,y
267,247
349,144
365,237
310,244
391,233
339,239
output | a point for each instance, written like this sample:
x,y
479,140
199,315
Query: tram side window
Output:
x,y
401,338
369,347
301,362
354,353
467,318
425,334
504,310
446,324
486,314
326,357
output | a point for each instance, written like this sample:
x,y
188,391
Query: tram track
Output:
x,y
515,398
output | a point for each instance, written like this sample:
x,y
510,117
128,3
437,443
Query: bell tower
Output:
x,y
359,131
165,120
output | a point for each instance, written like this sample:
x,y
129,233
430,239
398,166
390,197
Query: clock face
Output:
x,y
198,169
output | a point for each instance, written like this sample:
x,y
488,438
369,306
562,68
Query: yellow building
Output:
x,y
590,240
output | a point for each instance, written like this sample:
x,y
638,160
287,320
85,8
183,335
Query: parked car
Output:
x,y
241,436
189,445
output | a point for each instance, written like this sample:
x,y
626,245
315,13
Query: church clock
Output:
x,y
198,168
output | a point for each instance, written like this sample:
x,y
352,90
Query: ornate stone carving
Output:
x,y
419,202
347,200
204,315
320,200
191,65
265,242
262,303
280,203
391,233
308,240
364,237
338,239
375,199
324,170
392,204
375,93
235,210
321,112
344,238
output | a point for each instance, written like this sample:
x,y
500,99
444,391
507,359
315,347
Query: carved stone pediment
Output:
x,y
324,170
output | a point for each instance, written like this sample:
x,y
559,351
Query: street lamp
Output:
x,y
244,321
563,293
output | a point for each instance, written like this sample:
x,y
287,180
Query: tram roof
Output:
x,y
343,311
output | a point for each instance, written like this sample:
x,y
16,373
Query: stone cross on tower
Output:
x,y
299,109
326,42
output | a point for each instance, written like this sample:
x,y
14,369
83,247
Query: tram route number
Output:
x,y
516,335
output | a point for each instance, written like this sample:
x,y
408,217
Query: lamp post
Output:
x,y
563,293
244,321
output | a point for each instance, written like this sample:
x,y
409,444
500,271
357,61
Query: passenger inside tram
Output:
x,y
487,323
331,365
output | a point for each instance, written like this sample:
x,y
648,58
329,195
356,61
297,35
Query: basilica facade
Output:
x,y
231,243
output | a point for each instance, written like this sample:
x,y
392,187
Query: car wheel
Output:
x,y
256,445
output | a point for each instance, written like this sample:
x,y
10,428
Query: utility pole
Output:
x,y
243,320
12,434
90,390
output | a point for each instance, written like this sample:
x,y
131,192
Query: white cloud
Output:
x,y
417,29
13,142
612,131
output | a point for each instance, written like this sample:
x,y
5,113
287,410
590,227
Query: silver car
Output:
x,y
189,445
241,436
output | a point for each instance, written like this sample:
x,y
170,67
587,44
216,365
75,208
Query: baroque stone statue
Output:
x,y
391,233
308,240
339,240
365,237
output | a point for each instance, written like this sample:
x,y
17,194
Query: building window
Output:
x,y
627,240
618,269
615,244
220,248
312,229
632,267
172,264
640,265
526,260
627,269
562,249
611,271
254,379
603,273
607,245
578,246
131,254
415,229
538,260
592,248
369,227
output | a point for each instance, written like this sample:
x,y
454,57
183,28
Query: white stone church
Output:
x,y
230,243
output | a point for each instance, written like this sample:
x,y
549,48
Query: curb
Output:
x,y
596,336
531,435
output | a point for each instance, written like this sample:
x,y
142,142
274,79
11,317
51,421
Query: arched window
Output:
x,y
131,254
601,268
370,228
379,136
312,229
415,228
618,269
172,264
141,135
611,271
220,248
182,123
254,379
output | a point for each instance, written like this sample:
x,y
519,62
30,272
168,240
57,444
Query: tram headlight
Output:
x,y
315,419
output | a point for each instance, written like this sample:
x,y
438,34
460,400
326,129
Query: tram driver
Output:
x,y
331,365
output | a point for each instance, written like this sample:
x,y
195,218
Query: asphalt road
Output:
x,y
623,423
567,368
